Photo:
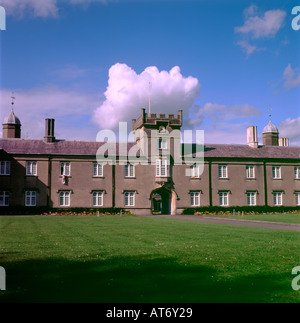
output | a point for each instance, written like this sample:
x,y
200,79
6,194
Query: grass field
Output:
x,y
130,259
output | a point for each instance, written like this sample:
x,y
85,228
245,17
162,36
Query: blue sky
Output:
x,y
88,64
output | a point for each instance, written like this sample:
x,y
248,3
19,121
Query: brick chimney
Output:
x,y
49,131
252,136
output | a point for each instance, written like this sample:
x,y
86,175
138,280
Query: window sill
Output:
x,y
277,179
251,178
97,176
224,178
130,177
195,178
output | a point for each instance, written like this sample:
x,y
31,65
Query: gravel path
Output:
x,y
248,223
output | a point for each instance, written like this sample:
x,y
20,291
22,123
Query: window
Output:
x,y
223,171
195,171
276,171
129,198
277,198
297,172
162,143
250,171
97,169
162,168
98,198
195,198
129,170
64,198
30,198
5,168
297,198
223,198
251,198
4,198
31,168
65,168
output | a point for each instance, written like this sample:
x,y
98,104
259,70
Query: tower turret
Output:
x,y
11,124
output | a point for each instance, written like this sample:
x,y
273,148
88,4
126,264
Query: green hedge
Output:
x,y
22,210
245,209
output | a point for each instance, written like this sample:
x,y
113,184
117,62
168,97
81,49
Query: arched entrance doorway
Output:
x,y
163,201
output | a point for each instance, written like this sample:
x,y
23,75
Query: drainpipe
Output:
x,y
210,184
113,185
265,184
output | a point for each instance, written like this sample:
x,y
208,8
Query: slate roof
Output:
x,y
89,148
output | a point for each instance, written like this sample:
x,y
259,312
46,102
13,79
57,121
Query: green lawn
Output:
x,y
131,259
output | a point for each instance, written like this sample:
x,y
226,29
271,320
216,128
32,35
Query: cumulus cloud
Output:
x,y
291,77
289,128
71,109
128,92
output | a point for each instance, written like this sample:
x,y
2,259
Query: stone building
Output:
x,y
68,174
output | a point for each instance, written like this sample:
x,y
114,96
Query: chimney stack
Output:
x,y
49,131
252,137
284,142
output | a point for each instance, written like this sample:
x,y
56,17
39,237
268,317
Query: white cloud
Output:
x,y
291,78
251,11
289,128
266,26
128,92
42,8
217,113
38,8
71,109
70,72
248,48
224,124
258,25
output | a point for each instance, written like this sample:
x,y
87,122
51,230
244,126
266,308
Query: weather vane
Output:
x,y
13,99
270,115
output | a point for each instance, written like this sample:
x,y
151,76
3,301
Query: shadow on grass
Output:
x,y
132,279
